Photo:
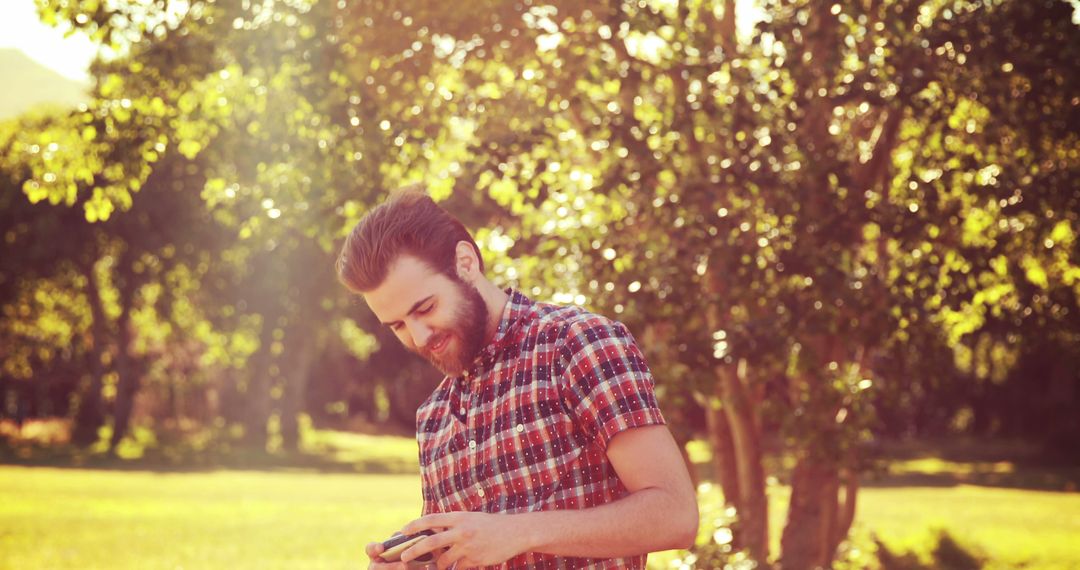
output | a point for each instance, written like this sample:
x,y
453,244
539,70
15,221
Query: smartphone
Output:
x,y
394,546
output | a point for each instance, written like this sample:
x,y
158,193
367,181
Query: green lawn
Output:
x,y
52,517
70,518
1013,528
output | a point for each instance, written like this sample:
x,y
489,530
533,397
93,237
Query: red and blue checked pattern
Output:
x,y
526,428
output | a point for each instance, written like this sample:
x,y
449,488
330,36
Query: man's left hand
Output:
x,y
472,539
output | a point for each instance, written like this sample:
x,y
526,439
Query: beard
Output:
x,y
468,328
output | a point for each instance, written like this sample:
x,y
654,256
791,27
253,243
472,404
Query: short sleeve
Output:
x,y
607,386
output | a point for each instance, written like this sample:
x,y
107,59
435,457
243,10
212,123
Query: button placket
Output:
x,y
466,396
470,431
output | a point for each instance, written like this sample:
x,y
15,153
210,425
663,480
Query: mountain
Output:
x,y
27,84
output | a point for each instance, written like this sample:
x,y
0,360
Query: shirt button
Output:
x,y
472,444
520,428
479,491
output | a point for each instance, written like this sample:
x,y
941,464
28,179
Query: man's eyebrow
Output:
x,y
412,310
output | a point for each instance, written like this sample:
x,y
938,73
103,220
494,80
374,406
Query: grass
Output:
x,y
74,518
366,453
313,517
996,500
1007,528
1011,528
314,509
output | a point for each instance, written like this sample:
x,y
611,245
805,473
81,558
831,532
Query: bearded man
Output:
x,y
543,446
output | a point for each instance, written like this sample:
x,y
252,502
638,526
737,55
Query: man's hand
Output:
x,y
374,549
472,539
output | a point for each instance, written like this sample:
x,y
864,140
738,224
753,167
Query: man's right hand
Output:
x,y
374,549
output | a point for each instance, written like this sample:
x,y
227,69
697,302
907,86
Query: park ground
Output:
x,y
295,514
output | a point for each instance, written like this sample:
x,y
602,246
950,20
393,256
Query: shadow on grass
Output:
x,y
324,460
1016,465
946,554
46,443
1026,478
1012,465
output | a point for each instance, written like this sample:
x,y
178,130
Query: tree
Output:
x,y
809,224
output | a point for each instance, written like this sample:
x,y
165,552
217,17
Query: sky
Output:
x,y
20,28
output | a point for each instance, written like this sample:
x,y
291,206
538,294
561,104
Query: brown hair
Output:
x,y
410,222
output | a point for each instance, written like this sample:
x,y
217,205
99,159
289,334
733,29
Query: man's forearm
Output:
x,y
659,513
647,520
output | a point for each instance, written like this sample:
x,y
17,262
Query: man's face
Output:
x,y
433,315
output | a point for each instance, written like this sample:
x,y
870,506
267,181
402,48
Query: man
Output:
x,y
543,447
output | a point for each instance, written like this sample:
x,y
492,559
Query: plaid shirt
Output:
x,y
526,428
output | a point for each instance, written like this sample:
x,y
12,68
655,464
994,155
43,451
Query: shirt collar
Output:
x,y
517,307
515,314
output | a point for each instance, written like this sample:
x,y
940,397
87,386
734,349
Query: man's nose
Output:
x,y
420,333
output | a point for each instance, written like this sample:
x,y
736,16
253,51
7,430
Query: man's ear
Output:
x,y
466,262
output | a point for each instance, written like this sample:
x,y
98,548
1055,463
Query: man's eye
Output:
x,y
425,310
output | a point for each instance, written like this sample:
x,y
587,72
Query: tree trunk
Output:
x,y
292,403
754,514
736,437
811,516
257,395
130,379
90,413
173,399
724,462
845,511
728,29
127,388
